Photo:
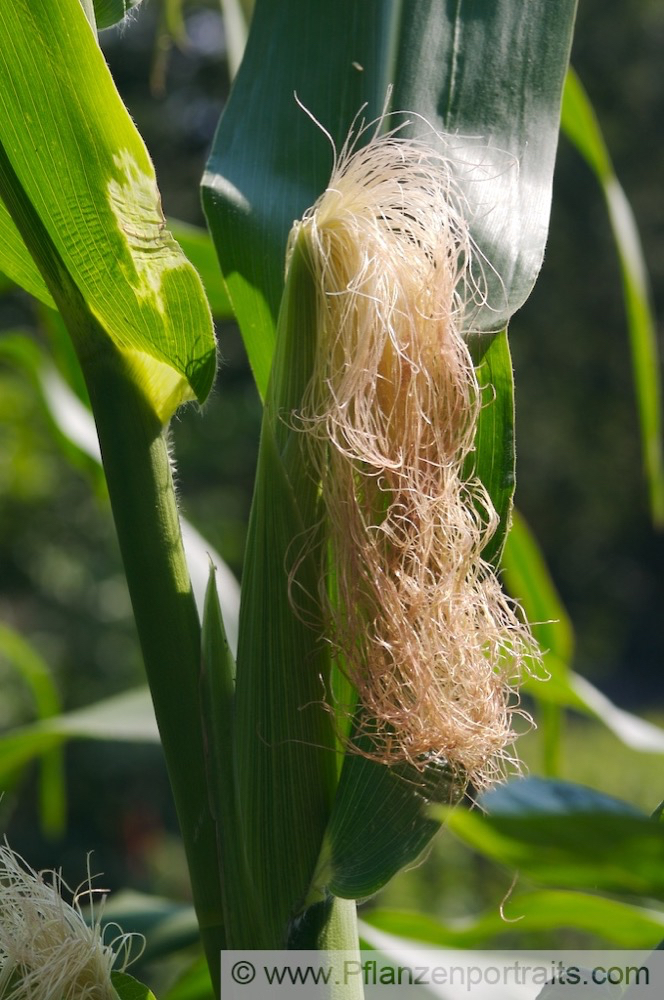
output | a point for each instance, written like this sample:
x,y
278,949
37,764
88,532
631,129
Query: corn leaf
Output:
x,y
88,207
567,836
622,924
17,263
582,128
269,162
199,249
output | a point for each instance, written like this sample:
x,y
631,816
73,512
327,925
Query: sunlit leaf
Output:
x,y
88,207
269,162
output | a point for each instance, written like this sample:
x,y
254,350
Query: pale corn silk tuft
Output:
x,y
47,950
419,622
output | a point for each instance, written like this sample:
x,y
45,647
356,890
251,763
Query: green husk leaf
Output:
x,y
380,823
284,739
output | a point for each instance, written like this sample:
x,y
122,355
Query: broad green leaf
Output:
x,y
199,249
36,675
567,836
128,988
491,75
622,924
196,243
88,207
582,129
454,64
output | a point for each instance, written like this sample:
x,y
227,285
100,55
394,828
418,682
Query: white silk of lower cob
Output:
x,y
419,621
47,950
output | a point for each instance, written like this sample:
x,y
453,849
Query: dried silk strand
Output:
x,y
419,621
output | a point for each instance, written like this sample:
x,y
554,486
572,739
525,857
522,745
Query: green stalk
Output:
x,y
138,473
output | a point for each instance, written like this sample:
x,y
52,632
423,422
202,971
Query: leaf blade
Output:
x,y
90,199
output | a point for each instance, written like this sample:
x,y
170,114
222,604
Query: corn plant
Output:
x,y
395,163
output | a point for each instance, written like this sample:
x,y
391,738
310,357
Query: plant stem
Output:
x,y
138,473
140,483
